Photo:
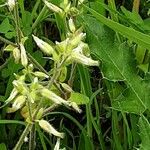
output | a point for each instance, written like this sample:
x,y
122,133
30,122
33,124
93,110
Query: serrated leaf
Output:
x,y
79,98
118,64
144,133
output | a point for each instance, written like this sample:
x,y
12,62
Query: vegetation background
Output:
x,y
115,96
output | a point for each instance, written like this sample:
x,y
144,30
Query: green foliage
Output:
x,y
104,106
144,133
118,64
78,98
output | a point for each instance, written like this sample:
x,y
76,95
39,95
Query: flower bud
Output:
x,y
19,102
81,1
39,114
50,129
62,46
16,54
13,94
71,25
40,74
11,4
75,107
30,67
52,96
80,58
24,59
45,47
53,7
35,84
20,86
57,145
74,42
24,112
26,139
66,87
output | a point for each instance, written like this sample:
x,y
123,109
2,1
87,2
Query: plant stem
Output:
x,y
21,139
7,41
32,138
35,8
42,13
136,5
16,15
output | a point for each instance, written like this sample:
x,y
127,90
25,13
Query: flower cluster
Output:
x,y
36,91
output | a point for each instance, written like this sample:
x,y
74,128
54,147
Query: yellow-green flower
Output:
x,y
45,125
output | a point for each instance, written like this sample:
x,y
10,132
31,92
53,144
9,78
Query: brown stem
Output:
x,y
136,5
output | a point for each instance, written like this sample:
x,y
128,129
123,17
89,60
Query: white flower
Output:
x,y
53,7
11,4
20,86
13,94
66,87
45,47
81,1
26,139
19,102
57,145
62,46
77,56
40,74
74,42
24,59
45,125
16,54
52,96
71,25
75,107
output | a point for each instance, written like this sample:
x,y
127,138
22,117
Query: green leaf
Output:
x,y
5,26
3,146
38,56
118,64
10,35
144,133
26,23
79,98
136,36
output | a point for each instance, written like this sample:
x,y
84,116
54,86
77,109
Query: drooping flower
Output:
x,y
52,96
24,59
11,4
13,94
75,107
19,102
45,47
71,25
40,74
53,7
78,56
45,125
16,54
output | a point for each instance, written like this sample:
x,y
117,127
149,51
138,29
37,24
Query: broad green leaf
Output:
x,y
144,133
118,64
26,23
5,26
3,146
79,98
136,36
38,56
